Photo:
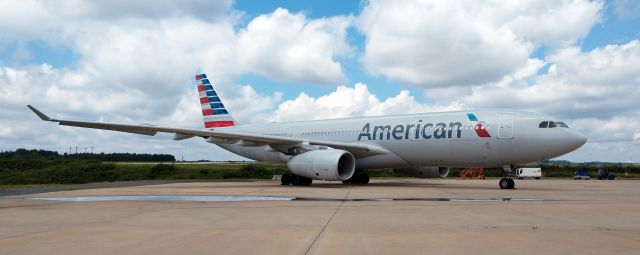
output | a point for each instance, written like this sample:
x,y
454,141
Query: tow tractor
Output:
x,y
603,174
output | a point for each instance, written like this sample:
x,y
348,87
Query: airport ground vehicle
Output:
x,y
582,175
529,172
603,174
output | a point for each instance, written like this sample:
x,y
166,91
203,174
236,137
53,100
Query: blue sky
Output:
x,y
289,60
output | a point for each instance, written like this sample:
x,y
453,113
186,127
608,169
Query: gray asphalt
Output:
x,y
398,216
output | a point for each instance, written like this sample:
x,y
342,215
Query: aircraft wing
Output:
x,y
359,150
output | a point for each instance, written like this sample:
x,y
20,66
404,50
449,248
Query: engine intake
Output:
x,y
425,171
330,165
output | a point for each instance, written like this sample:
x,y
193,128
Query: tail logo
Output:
x,y
480,129
213,110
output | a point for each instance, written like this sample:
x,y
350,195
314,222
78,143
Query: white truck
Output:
x,y
530,172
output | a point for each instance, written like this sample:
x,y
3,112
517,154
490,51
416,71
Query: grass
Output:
x,y
64,171
87,171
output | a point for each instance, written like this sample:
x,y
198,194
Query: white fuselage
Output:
x,y
450,139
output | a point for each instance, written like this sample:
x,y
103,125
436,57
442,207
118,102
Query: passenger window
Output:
x,y
543,124
552,124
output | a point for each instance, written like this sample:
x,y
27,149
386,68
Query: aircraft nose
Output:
x,y
576,140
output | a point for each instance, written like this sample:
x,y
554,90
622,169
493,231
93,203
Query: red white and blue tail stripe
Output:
x,y
213,110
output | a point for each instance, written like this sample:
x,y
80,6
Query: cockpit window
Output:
x,y
552,124
543,124
561,124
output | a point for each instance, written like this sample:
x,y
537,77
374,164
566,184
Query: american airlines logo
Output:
x,y
480,130
420,130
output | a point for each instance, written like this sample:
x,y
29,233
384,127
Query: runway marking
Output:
x,y
165,198
437,199
242,198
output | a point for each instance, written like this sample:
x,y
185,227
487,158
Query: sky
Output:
x,y
273,61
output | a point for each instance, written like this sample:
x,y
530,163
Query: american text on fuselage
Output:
x,y
416,131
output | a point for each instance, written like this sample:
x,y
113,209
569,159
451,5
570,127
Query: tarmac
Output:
x,y
387,216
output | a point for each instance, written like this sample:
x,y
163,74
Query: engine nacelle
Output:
x,y
425,171
330,165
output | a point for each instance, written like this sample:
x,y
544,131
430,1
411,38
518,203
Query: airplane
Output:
x,y
424,145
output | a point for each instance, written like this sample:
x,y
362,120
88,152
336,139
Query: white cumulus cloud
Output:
x,y
353,102
289,47
444,43
601,83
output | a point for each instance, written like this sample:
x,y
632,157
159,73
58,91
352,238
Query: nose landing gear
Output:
x,y
506,182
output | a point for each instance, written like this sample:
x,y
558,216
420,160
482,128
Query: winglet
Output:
x,y
40,114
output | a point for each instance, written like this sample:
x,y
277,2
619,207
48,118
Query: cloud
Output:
x,y
144,65
289,47
116,9
134,62
352,102
120,42
157,57
66,94
595,92
606,152
441,43
600,83
38,19
614,129
136,65
626,9
555,24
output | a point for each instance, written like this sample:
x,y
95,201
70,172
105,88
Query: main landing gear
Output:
x,y
358,178
293,179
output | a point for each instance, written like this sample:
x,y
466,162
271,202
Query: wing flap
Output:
x,y
134,129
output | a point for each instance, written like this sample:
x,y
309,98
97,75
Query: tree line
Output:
x,y
54,155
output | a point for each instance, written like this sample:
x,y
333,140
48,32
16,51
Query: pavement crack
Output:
x,y
315,239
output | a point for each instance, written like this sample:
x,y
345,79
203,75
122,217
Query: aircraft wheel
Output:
x,y
364,178
285,179
297,180
512,184
358,178
355,179
504,183
346,182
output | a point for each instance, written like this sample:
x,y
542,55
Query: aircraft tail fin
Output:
x,y
213,110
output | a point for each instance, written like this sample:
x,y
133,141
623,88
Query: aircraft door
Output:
x,y
506,126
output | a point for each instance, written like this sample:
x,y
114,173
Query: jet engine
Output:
x,y
425,171
330,165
